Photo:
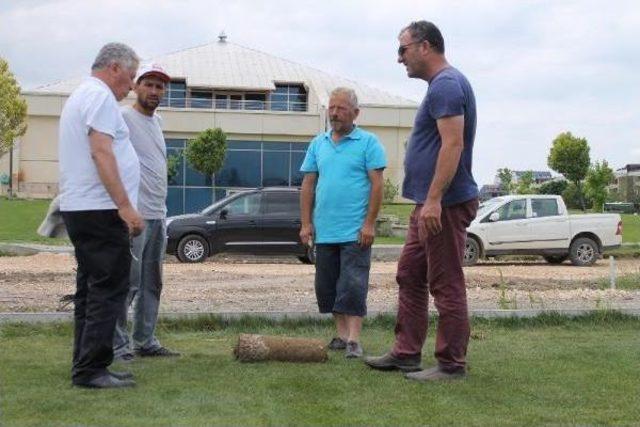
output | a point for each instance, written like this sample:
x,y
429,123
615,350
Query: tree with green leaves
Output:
x,y
555,186
574,199
569,156
13,109
207,151
598,178
389,191
525,183
13,112
174,161
505,175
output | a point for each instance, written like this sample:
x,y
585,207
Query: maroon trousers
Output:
x,y
435,266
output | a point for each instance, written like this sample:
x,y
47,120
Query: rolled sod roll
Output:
x,y
259,348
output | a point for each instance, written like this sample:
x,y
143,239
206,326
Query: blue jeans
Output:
x,y
144,291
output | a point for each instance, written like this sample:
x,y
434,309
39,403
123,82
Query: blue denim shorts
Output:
x,y
342,278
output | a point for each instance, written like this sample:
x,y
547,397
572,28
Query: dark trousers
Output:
x,y
101,243
435,266
342,278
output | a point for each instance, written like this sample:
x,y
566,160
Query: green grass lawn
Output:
x,y
629,281
630,228
401,211
549,370
20,220
382,240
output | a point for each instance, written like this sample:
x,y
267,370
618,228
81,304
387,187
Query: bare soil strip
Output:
x,y
240,284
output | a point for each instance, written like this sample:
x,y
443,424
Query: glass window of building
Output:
x,y
201,98
235,102
254,101
289,97
175,95
232,101
275,168
241,169
248,164
222,101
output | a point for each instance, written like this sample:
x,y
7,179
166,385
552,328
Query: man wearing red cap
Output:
x,y
148,248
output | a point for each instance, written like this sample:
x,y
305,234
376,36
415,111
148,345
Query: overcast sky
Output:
x,y
538,68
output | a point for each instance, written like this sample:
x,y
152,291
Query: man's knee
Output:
x,y
410,276
449,296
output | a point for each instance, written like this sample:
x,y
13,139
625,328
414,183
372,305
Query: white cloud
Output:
x,y
538,67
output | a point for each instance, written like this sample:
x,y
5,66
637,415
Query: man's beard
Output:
x,y
149,105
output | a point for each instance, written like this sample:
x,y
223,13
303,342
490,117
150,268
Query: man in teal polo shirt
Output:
x,y
339,214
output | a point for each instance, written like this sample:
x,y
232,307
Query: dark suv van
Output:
x,y
261,221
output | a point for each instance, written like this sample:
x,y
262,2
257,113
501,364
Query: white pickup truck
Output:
x,y
540,225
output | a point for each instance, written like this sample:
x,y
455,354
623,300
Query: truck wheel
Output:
x,y
192,248
583,252
471,252
555,259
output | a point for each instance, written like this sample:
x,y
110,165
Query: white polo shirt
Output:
x,y
93,106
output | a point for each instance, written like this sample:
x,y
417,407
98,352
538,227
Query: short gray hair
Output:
x,y
115,52
349,93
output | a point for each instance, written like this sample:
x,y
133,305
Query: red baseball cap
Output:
x,y
152,69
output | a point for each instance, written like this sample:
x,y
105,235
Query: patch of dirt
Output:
x,y
250,284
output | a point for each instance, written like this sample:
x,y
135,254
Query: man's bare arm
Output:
x,y
307,196
367,232
105,161
451,131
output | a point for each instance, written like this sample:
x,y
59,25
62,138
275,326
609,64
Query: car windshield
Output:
x,y
488,205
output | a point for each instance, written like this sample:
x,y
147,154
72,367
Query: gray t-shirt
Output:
x,y
146,136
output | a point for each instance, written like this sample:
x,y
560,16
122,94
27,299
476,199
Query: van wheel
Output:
x,y
471,252
555,259
583,252
192,248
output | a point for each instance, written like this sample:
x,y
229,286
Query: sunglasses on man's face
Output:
x,y
403,48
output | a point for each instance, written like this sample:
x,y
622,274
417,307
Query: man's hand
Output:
x,y
306,234
132,218
429,221
367,235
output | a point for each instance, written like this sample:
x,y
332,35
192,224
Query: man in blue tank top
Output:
x,y
438,179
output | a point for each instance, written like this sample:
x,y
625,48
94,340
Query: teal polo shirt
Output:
x,y
343,187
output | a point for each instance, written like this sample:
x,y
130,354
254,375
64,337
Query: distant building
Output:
x,y
539,177
627,183
269,107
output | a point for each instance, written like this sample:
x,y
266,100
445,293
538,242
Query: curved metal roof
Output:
x,y
225,65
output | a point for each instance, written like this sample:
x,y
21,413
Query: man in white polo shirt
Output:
x,y
148,248
99,178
